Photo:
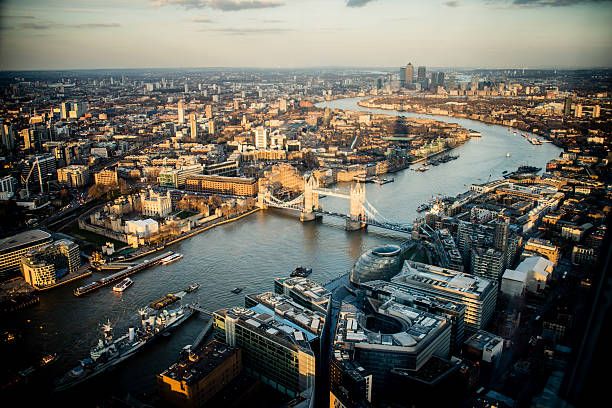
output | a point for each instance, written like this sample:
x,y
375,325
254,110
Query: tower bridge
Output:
x,y
361,213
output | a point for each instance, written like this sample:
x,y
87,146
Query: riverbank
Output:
x,y
441,112
189,235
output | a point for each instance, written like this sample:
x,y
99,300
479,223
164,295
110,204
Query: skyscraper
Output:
x,y
474,83
407,75
421,74
181,113
209,113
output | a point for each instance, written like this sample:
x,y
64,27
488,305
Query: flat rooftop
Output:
x,y
306,287
23,238
285,308
201,363
442,279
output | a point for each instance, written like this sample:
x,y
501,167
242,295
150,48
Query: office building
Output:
x,y
7,187
199,375
406,75
37,171
282,105
106,177
64,109
13,248
47,264
421,74
73,176
181,113
211,127
543,247
209,112
304,292
7,136
155,204
176,178
479,295
474,83
451,311
193,126
235,186
487,263
261,138
483,346
533,273
310,320
226,168
378,263
389,336
274,350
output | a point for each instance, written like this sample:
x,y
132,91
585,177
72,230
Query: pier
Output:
x,y
120,275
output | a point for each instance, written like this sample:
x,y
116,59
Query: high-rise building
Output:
x,y
304,292
406,75
7,136
45,265
211,127
209,112
477,294
282,105
64,109
487,263
181,113
261,138
73,176
474,86
106,177
274,349
567,106
193,126
421,74
37,171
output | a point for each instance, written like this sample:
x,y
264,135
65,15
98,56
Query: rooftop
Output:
x,y
442,278
200,362
23,238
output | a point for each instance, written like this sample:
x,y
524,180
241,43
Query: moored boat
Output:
x,y
172,258
123,285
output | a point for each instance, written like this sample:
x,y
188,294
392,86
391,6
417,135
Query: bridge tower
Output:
x,y
357,214
262,196
311,199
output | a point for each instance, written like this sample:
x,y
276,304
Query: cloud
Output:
x,y
96,25
357,3
50,25
35,26
202,20
552,3
245,31
224,5
452,3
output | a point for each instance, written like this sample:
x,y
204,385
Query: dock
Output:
x,y
120,275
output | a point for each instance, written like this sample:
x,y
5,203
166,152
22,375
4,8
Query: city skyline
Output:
x,y
299,33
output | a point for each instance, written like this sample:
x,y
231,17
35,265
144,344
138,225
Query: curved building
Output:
x,y
378,263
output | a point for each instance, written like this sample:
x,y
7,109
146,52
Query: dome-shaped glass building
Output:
x,y
378,263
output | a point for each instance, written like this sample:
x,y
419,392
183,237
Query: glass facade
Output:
x,y
379,263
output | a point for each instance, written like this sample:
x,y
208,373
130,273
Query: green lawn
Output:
x,y
185,214
92,237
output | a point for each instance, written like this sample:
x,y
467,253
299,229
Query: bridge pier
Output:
x,y
352,225
309,216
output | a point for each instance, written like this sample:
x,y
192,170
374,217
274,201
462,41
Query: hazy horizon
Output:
x,y
294,34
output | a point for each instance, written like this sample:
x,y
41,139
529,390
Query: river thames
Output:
x,y
250,253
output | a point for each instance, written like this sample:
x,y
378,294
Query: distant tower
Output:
x,y
211,127
474,83
209,112
261,138
409,76
193,125
181,113
421,74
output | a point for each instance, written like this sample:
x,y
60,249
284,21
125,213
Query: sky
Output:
x,y
73,34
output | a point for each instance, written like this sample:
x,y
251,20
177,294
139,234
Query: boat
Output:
x,y
535,141
123,285
109,352
508,154
172,258
193,287
236,290
48,359
422,207
528,169
164,301
301,271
